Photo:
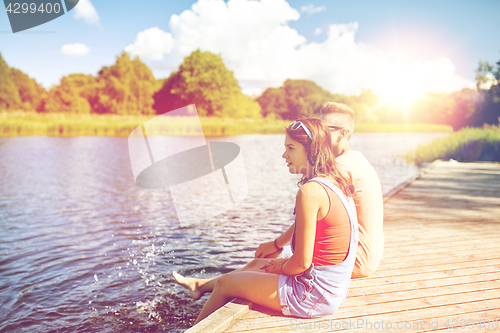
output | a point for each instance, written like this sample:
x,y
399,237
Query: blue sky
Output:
x,y
345,46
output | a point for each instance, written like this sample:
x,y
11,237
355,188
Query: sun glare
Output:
x,y
401,87
402,95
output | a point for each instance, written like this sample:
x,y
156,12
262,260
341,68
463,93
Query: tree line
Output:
x,y
128,87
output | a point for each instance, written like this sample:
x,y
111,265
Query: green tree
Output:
x,y
240,106
496,72
295,99
304,98
273,103
458,109
489,106
9,95
364,106
76,93
465,110
487,80
31,93
204,80
127,87
487,74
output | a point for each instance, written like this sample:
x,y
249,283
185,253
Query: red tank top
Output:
x,y
333,233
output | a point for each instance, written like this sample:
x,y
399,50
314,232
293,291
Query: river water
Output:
x,y
82,248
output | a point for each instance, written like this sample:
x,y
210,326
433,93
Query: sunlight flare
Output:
x,y
402,94
401,85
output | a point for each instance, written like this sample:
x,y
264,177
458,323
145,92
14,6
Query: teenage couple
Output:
x,y
337,233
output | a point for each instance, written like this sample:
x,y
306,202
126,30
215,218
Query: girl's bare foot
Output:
x,y
193,285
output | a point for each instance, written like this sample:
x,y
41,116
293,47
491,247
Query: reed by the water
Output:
x,y
401,128
465,145
66,125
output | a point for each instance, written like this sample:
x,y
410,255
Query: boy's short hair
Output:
x,y
338,114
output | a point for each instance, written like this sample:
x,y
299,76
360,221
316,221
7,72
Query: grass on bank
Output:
x,y
66,125
465,145
402,128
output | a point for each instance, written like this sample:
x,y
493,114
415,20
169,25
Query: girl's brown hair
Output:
x,y
319,152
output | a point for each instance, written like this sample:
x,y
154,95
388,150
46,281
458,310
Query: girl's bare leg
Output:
x,y
258,287
197,287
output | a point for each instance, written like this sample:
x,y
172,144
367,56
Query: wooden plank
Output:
x,y
265,318
445,311
422,276
419,301
386,269
488,320
407,293
448,294
436,251
454,238
223,318
435,265
425,284
394,246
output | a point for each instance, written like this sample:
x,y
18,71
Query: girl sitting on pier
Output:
x,y
314,281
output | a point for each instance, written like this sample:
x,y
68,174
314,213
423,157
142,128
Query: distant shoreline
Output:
x,y
70,125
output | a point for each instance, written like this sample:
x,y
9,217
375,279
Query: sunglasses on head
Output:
x,y
298,124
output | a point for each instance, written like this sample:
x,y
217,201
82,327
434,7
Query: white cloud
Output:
x,y
253,38
86,11
318,31
257,44
310,9
75,50
151,44
343,66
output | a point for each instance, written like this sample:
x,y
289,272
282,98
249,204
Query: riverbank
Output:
x,y
69,125
465,145
449,217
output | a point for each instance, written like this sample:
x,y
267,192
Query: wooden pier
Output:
x,y
440,269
